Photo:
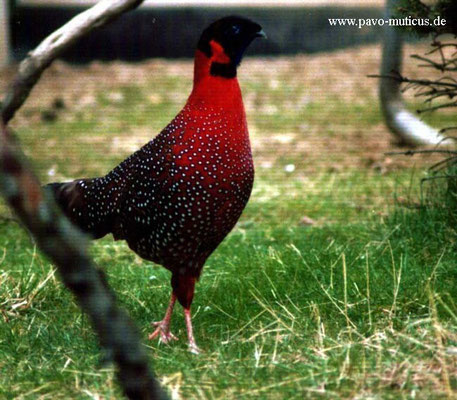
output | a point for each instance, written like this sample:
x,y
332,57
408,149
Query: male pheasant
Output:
x,y
176,198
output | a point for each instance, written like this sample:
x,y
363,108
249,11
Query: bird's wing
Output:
x,y
139,183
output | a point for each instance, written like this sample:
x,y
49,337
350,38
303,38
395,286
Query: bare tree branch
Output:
x,y
63,243
413,152
449,128
418,82
66,246
50,48
409,129
447,162
442,66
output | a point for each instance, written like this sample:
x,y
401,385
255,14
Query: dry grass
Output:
x,y
325,289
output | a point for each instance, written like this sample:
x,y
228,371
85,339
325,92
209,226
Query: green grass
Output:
x,y
362,304
281,312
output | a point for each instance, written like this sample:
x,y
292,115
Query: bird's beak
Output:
x,y
261,34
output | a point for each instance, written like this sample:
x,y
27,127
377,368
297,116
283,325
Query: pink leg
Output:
x,y
193,348
163,327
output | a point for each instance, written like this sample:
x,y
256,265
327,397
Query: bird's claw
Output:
x,y
164,331
193,348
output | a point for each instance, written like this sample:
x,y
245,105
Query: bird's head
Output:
x,y
224,43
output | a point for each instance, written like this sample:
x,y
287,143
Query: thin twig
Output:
x,y
439,106
446,163
425,82
413,152
449,128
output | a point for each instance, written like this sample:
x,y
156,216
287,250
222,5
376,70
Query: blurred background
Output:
x,y
170,28
312,110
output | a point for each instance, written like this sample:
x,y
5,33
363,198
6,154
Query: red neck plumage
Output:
x,y
216,90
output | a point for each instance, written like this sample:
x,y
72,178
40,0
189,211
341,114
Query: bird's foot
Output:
x,y
164,331
193,348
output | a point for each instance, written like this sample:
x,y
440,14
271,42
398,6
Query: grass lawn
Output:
x,y
328,287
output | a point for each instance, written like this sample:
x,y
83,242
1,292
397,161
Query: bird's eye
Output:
x,y
234,29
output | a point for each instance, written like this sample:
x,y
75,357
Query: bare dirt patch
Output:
x,y
271,86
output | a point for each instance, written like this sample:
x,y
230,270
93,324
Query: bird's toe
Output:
x,y
167,337
193,348
163,332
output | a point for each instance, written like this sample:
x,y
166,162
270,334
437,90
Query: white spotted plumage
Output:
x,y
175,199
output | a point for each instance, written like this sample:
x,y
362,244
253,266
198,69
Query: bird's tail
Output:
x,y
75,201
